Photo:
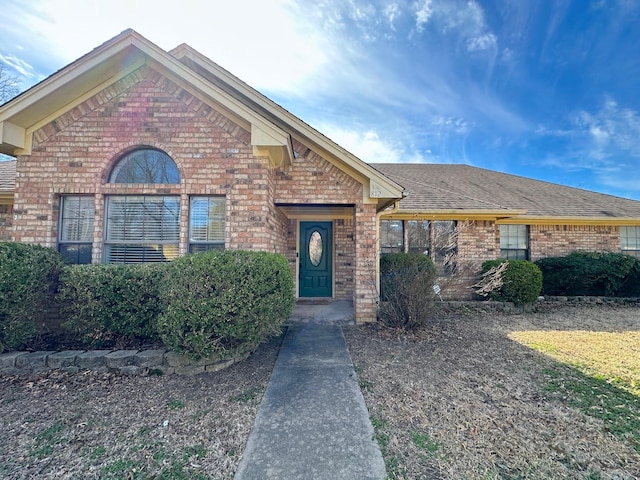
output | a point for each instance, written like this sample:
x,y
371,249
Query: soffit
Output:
x,y
317,212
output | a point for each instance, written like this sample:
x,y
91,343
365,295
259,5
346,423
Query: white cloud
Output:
x,y
610,129
370,147
483,42
20,66
262,42
392,13
423,12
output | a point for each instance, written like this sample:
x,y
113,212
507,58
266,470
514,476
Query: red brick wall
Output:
x,y
74,154
6,221
478,241
559,240
365,293
344,258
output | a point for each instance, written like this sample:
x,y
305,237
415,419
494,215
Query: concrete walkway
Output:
x,y
312,423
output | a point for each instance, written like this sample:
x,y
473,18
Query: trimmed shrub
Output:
x,y
521,281
406,290
104,303
28,283
222,303
591,273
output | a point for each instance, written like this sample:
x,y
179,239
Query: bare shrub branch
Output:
x,y
491,280
9,85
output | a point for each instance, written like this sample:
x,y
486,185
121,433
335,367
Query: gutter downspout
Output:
x,y
396,207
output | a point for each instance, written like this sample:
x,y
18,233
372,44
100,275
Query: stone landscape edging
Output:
x,y
126,362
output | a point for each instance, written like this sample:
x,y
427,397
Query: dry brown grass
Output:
x,y
460,400
107,426
463,400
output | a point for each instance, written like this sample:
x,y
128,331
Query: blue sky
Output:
x,y
547,89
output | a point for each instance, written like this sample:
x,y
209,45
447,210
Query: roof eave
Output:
x,y
454,214
570,220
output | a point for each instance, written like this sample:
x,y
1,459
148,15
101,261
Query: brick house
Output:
x,y
135,154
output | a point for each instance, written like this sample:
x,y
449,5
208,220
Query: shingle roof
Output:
x,y
7,176
432,187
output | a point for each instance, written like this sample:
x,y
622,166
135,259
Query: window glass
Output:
x,y
514,242
207,223
391,236
76,228
142,228
145,165
630,240
418,236
438,239
445,245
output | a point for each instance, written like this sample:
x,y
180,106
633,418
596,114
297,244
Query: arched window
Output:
x,y
142,228
145,165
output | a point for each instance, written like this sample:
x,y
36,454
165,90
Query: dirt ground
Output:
x,y
460,400
463,401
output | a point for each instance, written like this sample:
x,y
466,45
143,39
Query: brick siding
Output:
x,y
560,240
6,222
74,154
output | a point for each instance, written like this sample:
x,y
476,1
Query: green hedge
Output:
x,y
521,281
28,283
220,303
103,303
591,273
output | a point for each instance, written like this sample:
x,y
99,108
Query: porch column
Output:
x,y
365,294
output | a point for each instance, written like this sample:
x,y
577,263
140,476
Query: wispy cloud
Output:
x,y
20,66
486,41
610,129
596,140
371,147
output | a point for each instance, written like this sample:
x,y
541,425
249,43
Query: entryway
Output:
x,y
316,259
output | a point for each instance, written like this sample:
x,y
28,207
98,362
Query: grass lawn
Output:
x,y
486,395
597,372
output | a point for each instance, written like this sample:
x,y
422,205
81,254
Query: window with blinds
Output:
x,y
75,236
141,228
418,238
207,223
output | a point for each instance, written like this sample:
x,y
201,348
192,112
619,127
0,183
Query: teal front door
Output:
x,y
316,259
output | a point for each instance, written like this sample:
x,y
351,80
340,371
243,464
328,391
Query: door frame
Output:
x,y
333,254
